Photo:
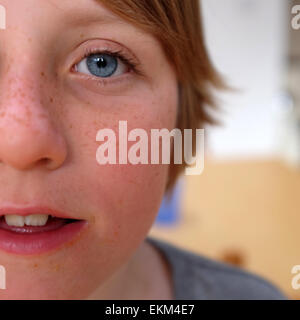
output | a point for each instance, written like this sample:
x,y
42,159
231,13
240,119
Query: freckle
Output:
x,y
42,116
81,35
71,126
92,220
57,267
42,74
51,99
35,265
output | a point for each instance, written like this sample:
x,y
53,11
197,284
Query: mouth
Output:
x,y
36,230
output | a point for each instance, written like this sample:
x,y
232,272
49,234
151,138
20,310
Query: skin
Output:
x,y
49,117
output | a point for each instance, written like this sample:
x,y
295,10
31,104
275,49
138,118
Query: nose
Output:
x,y
28,135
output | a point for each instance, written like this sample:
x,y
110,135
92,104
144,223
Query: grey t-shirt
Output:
x,y
195,277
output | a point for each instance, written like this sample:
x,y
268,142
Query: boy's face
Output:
x,y
53,101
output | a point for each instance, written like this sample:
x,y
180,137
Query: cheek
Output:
x,y
120,202
123,199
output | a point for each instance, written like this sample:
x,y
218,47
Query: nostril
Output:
x,y
49,163
44,161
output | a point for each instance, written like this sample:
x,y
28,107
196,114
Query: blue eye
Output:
x,y
101,65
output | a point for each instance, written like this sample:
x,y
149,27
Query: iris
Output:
x,y
102,65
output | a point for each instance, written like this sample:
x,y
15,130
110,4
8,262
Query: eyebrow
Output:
x,y
92,19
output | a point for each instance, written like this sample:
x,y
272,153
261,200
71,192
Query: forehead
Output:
x,y
69,8
84,11
58,13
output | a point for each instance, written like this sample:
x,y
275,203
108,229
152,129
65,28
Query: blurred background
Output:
x,y
245,207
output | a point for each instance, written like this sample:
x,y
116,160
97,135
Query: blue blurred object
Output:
x,y
169,212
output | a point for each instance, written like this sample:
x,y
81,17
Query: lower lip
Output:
x,y
30,243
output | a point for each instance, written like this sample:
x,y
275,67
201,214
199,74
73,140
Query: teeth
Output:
x,y
36,220
31,220
14,220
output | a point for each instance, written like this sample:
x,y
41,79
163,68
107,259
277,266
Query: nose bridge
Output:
x,y
28,135
21,82
21,101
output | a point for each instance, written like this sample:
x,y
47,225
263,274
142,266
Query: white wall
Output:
x,y
247,40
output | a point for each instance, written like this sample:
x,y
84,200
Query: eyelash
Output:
x,y
118,54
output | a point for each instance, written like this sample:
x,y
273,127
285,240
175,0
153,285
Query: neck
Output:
x,y
145,276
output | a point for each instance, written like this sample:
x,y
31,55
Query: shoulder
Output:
x,y
197,277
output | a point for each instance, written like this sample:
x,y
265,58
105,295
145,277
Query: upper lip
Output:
x,y
25,211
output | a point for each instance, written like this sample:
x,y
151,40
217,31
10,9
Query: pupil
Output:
x,y
101,63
